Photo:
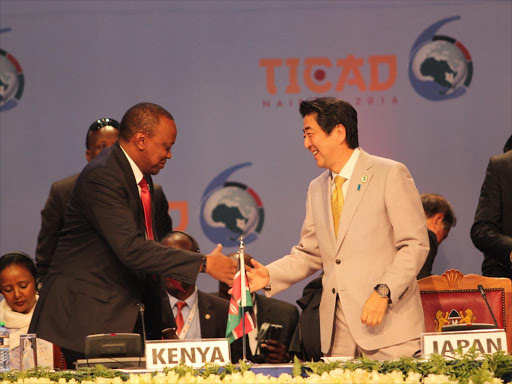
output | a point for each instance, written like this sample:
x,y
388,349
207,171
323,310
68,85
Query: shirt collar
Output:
x,y
190,300
348,168
135,169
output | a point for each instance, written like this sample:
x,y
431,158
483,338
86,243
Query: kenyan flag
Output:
x,y
240,298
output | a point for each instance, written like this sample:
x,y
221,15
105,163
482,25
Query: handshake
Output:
x,y
223,268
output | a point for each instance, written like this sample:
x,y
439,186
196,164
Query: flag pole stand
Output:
x,y
241,260
240,299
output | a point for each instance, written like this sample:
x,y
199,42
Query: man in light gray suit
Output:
x,y
365,226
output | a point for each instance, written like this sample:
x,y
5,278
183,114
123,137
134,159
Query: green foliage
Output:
x,y
244,366
465,367
79,375
297,367
470,365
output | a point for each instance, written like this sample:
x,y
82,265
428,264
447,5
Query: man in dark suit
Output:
x,y
273,311
305,343
101,134
203,316
440,220
96,280
491,232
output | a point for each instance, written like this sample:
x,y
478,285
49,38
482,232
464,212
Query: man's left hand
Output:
x,y
274,352
374,310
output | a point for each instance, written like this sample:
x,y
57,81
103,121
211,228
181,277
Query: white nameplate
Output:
x,y
194,353
446,343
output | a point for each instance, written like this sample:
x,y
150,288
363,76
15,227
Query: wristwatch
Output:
x,y
267,287
204,265
383,291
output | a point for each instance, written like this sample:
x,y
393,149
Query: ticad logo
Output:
x,y
440,67
12,80
367,76
230,209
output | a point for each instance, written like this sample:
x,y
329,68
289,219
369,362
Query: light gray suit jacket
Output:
x,y
382,239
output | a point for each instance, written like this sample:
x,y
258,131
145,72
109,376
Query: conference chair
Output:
x,y
454,298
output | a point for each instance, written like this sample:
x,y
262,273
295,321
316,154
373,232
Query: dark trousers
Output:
x,y
71,357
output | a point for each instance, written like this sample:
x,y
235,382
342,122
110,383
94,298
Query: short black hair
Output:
x,y
331,111
434,204
97,125
18,258
171,235
142,117
508,145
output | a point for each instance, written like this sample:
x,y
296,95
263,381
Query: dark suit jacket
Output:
x,y
426,270
97,275
306,339
53,213
492,229
213,312
278,312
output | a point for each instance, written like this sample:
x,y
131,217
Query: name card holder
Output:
x,y
194,353
447,343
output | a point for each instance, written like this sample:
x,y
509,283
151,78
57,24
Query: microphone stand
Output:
x,y
482,292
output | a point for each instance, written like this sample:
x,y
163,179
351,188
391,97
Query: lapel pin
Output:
x,y
364,179
207,316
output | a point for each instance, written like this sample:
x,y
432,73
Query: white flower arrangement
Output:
x,y
468,368
336,376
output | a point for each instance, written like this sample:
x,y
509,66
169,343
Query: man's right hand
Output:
x,y
258,276
274,352
220,267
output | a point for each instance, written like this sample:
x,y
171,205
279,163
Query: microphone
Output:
x,y
141,312
482,292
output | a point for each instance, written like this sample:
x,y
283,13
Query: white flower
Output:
x,y
285,378
187,379
260,378
438,379
233,378
413,378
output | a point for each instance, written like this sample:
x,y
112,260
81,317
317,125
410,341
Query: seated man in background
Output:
x,y
440,219
194,314
267,310
306,339
101,134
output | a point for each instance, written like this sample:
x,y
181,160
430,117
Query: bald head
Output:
x,y
181,240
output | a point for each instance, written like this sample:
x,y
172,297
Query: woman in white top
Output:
x,y
18,285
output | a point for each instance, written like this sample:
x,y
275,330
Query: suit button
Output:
x,y
333,290
338,261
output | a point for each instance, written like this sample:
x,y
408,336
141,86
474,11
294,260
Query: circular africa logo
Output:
x,y
440,67
12,80
230,209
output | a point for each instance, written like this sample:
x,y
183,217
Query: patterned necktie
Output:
x,y
337,202
145,196
179,316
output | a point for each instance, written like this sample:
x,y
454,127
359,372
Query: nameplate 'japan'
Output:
x,y
447,343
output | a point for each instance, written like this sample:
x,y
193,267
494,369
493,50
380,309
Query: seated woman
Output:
x,y
18,285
